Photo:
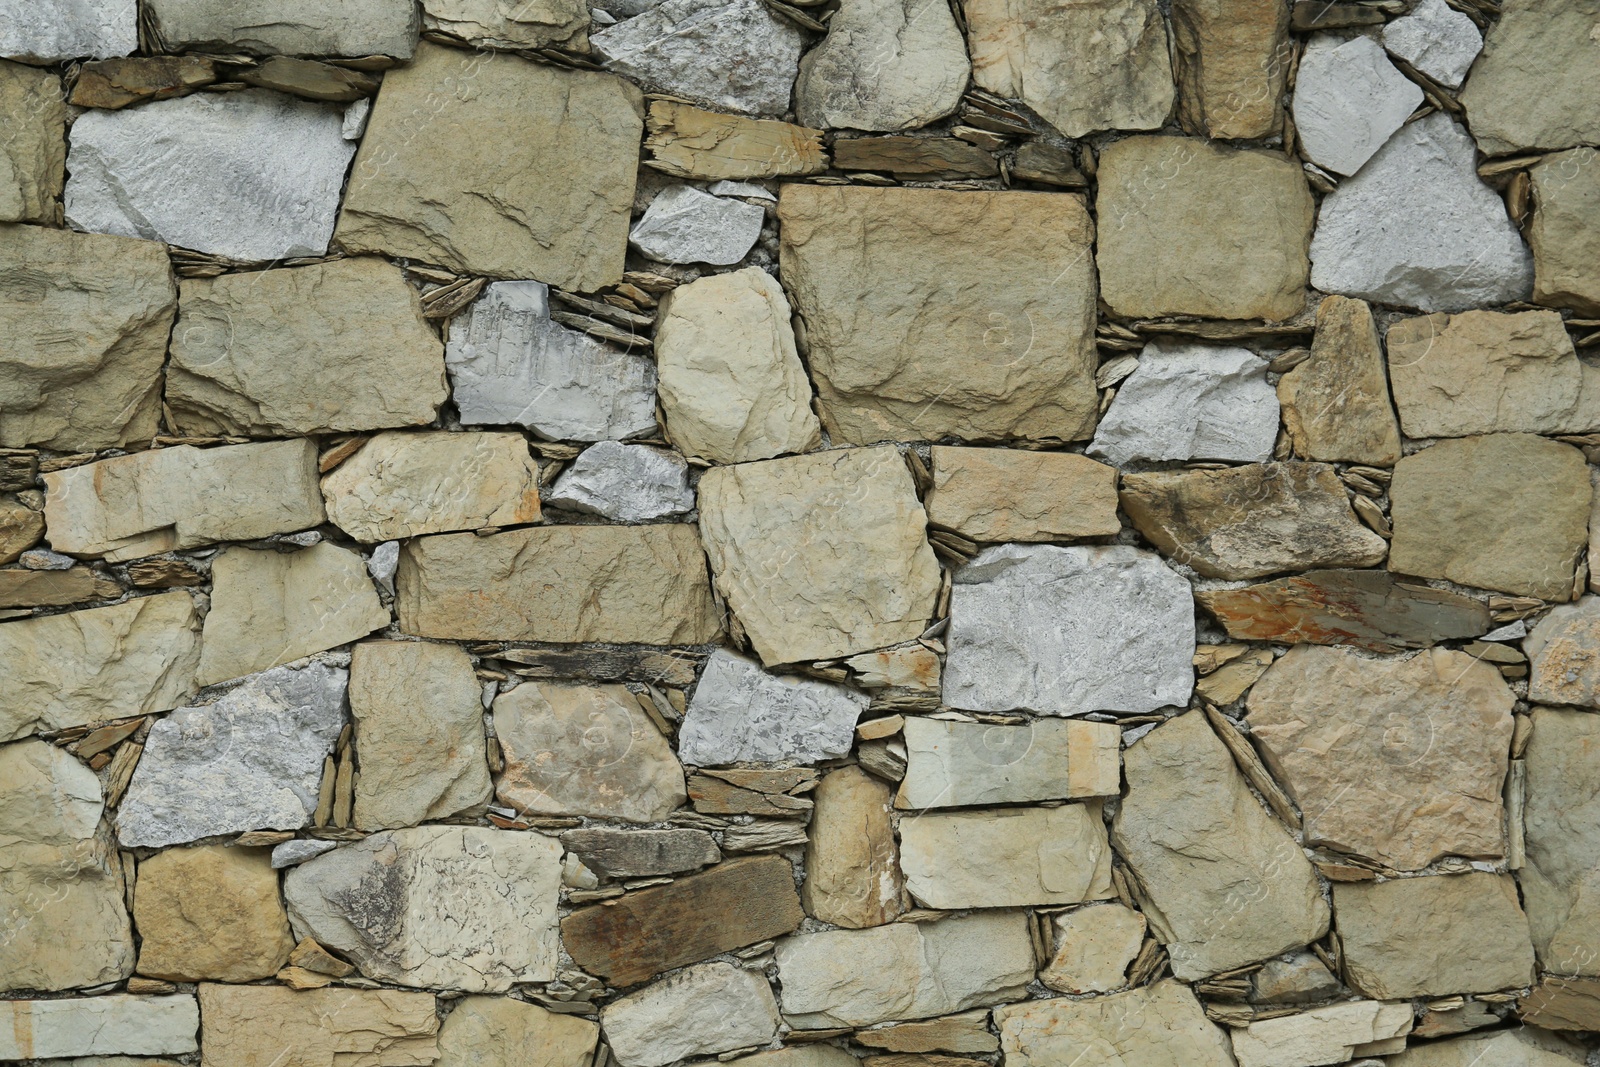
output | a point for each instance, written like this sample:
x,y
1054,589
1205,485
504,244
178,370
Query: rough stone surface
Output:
x,y
1336,404
625,483
1438,40
1007,857
690,142
1300,977
561,164
372,1028
698,1011
33,158
852,862
60,30
1565,239
1119,636
509,363
934,313
171,171
1424,937
1527,90
885,66
1247,522
1562,1002
1159,1024
404,484
333,346
492,24
117,83
297,851
1563,845
742,713
114,1025
21,527
966,1032
955,764
1400,761
133,658
735,56
1233,58
685,225
419,733
584,750
251,760
30,589
644,584
904,970
1520,1047
454,907
1562,649
502,1032
175,498
210,914
990,494
1447,243
1093,948
640,853
269,608
1190,228
1506,511
295,27
1224,883
86,318
821,555
1332,1034
731,382
1348,99
1191,402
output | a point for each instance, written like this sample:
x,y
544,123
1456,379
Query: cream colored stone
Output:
x,y
1523,1047
933,313
690,142
698,1011
270,608
133,658
913,666
1563,234
33,157
182,497
1528,89
1336,404
1334,1034
1094,947
1233,57
1230,682
1007,857
992,494
502,1032
274,1026
1157,1025
21,527
494,24
954,764
730,380
210,914
852,862
403,484
1562,827
110,1026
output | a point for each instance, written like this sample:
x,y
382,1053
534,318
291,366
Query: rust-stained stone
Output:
x,y
690,142
852,863
50,589
915,158
116,83
652,930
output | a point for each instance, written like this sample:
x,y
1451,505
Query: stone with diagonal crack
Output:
x,y
1437,39
691,142
1336,404
1348,99
698,1011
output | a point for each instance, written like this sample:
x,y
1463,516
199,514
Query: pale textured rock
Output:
x,y
685,225
1528,89
1562,648
1565,239
33,157
742,713
1300,978
404,484
885,66
690,142
210,914
1448,244
114,1025
1332,1034
698,1011
1224,883
1082,67
66,925
729,56
732,386
333,346
934,313
625,483
1401,761
561,163
1190,228
346,1027
86,319
852,862
1233,58
992,494
1433,936
820,555
1246,522
954,764
1336,404
1157,1025
1007,857
502,1032
21,527
173,171
58,30
1563,842
1348,99
509,363
133,658
296,27
291,853
904,970
584,750
1093,948
455,907
174,498
568,584
1119,635
1191,402
1507,511
634,853
252,760
493,24
418,715
270,607
1438,40
1522,1047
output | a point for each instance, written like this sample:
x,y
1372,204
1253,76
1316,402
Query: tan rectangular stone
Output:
x,y
690,142
1007,857
273,1026
994,494
33,155
45,589
954,764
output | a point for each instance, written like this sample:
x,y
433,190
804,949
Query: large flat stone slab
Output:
x,y
375,1027
116,1025
1336,1033
955,764
1007,857
1527,1045
1563,845
1158,1024
1527,89
690,142
505,1032
291,27
740,713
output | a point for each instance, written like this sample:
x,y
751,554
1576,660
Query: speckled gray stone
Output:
x,y
684,225
1437,39
292,853
740,713
50,31
625,483
1348,99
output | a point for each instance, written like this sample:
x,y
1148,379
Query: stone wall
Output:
x,y
801,533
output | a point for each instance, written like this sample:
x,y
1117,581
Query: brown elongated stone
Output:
x,y
690,142
713,796
43,589
915,157
1561,1002
116,83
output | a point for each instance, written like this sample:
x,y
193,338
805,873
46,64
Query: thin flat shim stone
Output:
x,y
1190,402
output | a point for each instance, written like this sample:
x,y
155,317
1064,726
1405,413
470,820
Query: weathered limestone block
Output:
x,y
955,764
1191,402
568,584
503,1032
1438,40
33,158
1233,59
1333,1034
51,589
1158,1024
852,863
1068,630
1562,1002
21,527
1224,883
690,142
1563,843
60,30
820,555
1525,1047
698,1011
1564,235
455,907
1007,857
1528,90
625,483
1562,650
210,914
741,713
295,27
112,1025
935,313
1336,404
491,24
887,65
1508,512
562,164
86,319
134,658
992,494
685,225
1348,100
640,853
174,498
1093,948
274,1026
270,607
